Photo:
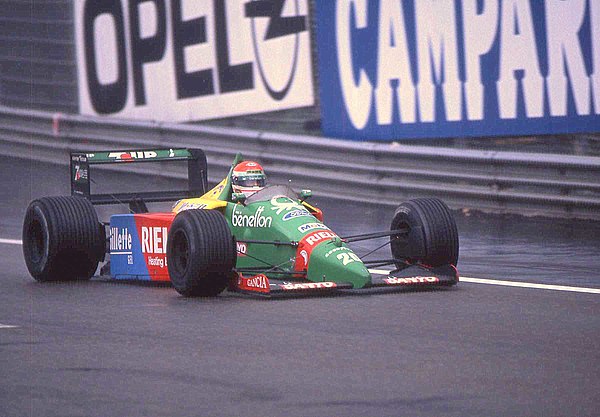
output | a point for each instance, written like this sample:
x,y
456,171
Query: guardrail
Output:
x,y
543,184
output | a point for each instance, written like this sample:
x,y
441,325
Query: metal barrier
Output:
x,y
544,184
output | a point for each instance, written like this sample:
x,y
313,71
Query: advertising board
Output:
x,y
185,60
398,69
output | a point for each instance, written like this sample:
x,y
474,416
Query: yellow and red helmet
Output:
x,y
248,177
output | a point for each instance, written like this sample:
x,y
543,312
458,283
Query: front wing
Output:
x,y
410,277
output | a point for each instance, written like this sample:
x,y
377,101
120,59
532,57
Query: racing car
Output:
x,y
267,243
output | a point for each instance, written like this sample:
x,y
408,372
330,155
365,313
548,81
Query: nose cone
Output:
x,y
331,262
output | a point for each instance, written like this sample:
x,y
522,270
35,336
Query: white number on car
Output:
x,y
347,257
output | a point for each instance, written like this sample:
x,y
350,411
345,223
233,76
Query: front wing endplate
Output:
x,y
415,276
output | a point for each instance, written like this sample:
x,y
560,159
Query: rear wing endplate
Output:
x,y
81,174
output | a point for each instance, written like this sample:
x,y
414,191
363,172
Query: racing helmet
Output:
x,y
248,177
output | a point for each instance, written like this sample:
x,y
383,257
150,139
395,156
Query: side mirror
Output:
x,y
305,194
238,198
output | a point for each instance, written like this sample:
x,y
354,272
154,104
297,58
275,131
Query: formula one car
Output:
x,y
271,242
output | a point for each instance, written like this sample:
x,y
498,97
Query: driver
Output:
x,y
248,177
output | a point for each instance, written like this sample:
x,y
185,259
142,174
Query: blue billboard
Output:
x,y
401,69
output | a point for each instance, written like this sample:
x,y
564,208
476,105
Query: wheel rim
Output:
x,y
403,236
37,239
181,252
400,239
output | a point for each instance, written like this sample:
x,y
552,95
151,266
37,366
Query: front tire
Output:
x,y
432,237
201,253
62,239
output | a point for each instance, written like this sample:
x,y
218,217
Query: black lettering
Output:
x,y
185,33
105,98
231,77
278,25
143,50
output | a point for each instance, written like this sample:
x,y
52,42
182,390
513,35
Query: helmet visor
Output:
x,y
250,181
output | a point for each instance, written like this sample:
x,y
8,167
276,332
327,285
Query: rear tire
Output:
x,y
201,253
62,239
432,234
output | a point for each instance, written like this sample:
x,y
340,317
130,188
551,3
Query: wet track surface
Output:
x,y
549,251
99,349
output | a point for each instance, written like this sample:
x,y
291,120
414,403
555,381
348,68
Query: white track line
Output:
x,y
462,279
515,284
7,326
530,285
11,241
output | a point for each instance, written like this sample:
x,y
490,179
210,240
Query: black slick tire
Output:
x,y
432,237
201,253
62,239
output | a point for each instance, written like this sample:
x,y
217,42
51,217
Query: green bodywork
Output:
x,y
285,220
279,236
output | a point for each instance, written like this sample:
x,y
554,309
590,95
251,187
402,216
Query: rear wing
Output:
x,y
81,174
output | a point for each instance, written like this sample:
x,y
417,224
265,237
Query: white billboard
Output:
x,y
186,60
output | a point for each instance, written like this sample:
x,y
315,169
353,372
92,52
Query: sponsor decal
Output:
x,y
191,206
157,261
216,192
188,60
153,232
129,156
286,205
296,213
124,248
411,280
81,174
257,283
251,220
80,158
334,250
308,285
393,69
317,237
344,255
120,241
138,244
242,248
301,260
311,226
306,246
154,240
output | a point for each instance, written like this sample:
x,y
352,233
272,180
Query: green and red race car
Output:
x,y
266,243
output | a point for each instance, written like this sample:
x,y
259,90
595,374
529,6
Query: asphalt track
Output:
x,y
107,349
